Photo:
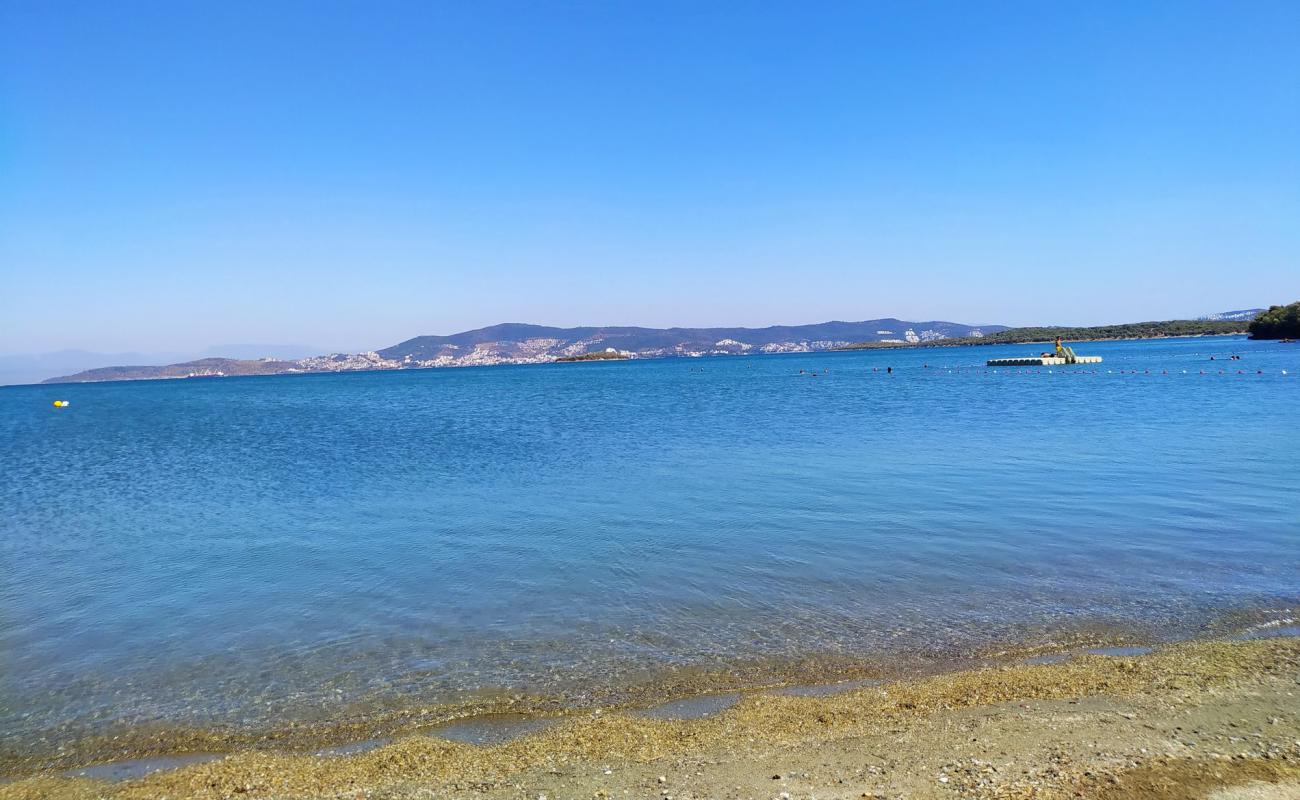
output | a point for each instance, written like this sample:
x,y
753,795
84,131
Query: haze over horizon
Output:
x,y
351,177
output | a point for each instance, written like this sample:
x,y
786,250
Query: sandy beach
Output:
x,y
1214,720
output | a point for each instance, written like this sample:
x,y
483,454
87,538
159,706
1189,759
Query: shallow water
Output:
x,y
139,767
245,550
1118,652
493,730
705,705
1272,632
1049,658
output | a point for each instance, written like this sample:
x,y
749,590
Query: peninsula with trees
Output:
x,y
1278,322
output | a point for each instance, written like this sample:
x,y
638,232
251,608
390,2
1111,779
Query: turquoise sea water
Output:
x,y
239,549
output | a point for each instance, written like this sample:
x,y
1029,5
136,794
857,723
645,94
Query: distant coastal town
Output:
x,y
514,343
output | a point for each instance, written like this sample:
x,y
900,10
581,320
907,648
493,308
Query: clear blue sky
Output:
x,y
180,174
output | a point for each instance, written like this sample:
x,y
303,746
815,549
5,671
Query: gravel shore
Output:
x,y
1214,720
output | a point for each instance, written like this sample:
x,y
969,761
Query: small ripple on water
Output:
x,y
488,731
139,767
1271,632
1050,658
483,731
1119,652
1113,652
691,707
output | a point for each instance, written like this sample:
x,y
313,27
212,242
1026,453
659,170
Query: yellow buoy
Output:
x,y
60,403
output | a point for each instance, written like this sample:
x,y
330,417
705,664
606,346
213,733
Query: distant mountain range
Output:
x,y
517,343
520,341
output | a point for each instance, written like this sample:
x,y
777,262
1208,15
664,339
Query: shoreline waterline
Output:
x,y
1182,672
698,693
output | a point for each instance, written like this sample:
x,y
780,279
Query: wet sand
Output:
x,y
1214,720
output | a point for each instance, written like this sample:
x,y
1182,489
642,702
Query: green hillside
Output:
x,y
1278,322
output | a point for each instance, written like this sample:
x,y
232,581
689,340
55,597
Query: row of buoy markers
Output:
x,y
989,371
1128,372
986,371
64,403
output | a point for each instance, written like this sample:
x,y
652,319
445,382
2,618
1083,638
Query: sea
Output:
x,y
252,551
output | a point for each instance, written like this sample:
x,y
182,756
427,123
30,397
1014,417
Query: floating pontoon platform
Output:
x,y
1042,361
